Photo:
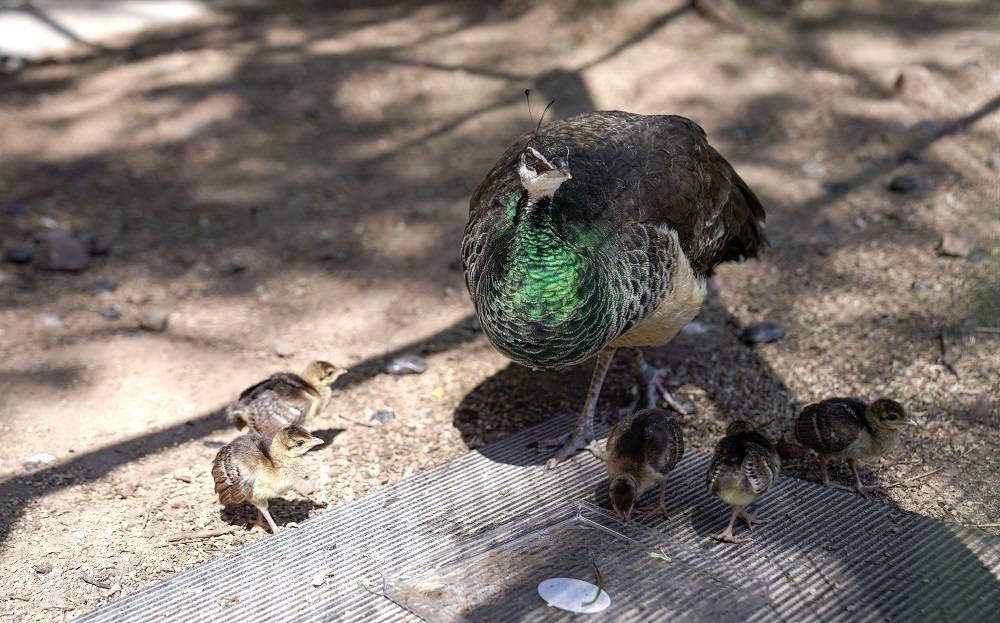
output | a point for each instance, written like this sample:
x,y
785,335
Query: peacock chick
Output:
x,y
743,468
642,450
285,399
598,233
254,468
851,429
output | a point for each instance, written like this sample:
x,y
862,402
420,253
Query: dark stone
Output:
x,y
763,333
18,255
60,251
98,248
827,228
104,285
904,184
406,364
383,416
456,265
234,266
154,320
111,313
977,255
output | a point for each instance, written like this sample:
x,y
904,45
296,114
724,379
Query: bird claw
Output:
x,y
565,446
656,389
727,537
750,520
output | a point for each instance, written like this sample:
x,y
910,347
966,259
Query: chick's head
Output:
x,y
295,441
888,414
322,372
622,490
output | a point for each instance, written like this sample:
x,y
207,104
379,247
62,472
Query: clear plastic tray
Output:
x,y
647,577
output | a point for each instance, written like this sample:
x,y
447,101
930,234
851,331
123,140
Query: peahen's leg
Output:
x,y
651,387
583,431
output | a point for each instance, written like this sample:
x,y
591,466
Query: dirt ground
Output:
x,y
302,174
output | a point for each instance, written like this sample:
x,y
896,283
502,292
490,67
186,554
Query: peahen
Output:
x,y
597,233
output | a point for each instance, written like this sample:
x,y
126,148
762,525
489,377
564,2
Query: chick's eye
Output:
x,y
300,443
892,416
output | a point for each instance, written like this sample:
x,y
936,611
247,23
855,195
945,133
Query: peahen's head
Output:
x,y
543,167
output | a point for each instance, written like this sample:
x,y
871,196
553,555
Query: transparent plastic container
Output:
x,y
496,576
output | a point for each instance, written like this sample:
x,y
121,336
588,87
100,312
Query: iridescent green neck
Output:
x,y
548,306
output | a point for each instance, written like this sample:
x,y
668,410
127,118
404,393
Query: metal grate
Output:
x,y
827,555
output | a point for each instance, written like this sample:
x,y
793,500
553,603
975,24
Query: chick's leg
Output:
x,y
726,536
262,511
651,387
583,431
859,486
824,474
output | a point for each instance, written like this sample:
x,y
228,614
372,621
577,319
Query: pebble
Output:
x,y
51,321
953,245
213,445
35,461
111,313
18,255
696,328
104,285
234,266
282,348
125,490
304,488
154,320
763,333
319,579
827,229
978,255
43,568
98,248
383,416
904,183
813,169
60,251
183,476
406,364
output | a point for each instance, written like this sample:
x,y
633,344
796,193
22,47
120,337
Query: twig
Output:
x,y
986,329
17,597
912,478
196,535
353,421
978,525
368,588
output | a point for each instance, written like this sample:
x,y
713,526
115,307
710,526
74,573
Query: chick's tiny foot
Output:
x,y
750,520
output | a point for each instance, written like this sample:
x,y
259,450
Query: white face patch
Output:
x,y
540,185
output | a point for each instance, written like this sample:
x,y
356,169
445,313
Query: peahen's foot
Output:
x,y
651,387
564,446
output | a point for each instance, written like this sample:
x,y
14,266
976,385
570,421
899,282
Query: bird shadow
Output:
x,y
327,435
725,378
283,511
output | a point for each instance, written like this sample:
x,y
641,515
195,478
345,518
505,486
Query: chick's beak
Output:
x,y
316,441
912,422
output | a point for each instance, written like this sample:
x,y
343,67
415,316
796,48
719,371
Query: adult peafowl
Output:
x,y
597,233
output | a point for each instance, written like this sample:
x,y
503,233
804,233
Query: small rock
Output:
x,y
696,328
51,321
104,285
920,285
183,476
904,184
977,255
763,333
813,169
97,247
282,348
953,245
383,416
125,490
406,364
154,320
60,251
827,229
111,313
319,579
37,460
913,80
138,298
456,265
234,266
18,255
304,488
43,568
213,445
437,392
